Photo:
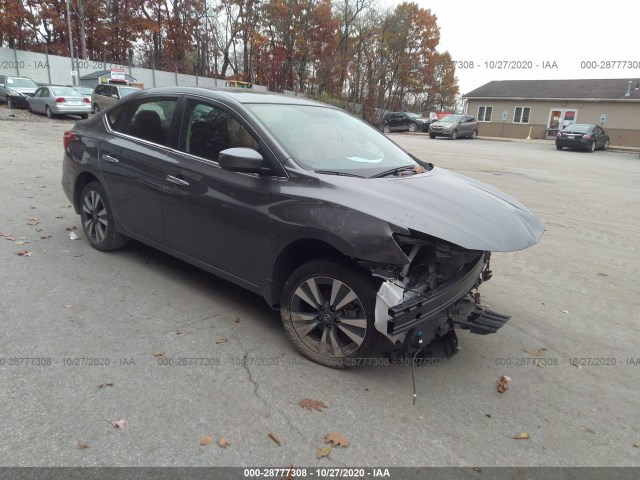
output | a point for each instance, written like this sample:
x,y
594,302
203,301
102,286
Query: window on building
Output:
x,y
484,113
522,115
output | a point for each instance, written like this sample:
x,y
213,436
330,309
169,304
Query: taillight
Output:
x,y
67,137
587,136
86,100
60,100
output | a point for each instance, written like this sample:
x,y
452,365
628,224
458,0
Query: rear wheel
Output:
x,y
474,134
386,129
327,311
413,127
49,112
592,148
29,109
97,219
84,116
96,108
454,134
606,145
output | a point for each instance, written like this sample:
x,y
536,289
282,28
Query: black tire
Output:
x,y
454,134
432,135
10,103
97,220
386,129
96,108
592,148
606,145
84,116
474,134
413,127
558,147
49,113
317,326
29,109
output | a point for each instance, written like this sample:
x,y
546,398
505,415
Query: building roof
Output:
x,y
605,89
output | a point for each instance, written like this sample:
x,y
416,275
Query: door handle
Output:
x,y
177,181
110,159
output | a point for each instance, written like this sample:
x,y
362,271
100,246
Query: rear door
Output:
x,y
38,101
213,215
132,163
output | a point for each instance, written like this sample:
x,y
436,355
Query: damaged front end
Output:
x,y
419,304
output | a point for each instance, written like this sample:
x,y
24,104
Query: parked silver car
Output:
x,y
16,90
53,100
454,126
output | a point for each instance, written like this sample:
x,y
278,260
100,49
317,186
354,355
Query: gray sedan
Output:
x,y
53,100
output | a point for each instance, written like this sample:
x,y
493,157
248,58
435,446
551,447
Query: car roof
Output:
x,y
239,95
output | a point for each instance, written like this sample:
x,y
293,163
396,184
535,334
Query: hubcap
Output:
x,y
95,216
328,317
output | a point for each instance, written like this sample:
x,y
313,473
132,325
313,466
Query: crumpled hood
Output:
x,y
445,205
28,91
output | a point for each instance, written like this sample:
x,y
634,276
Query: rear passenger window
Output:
x,y
149,119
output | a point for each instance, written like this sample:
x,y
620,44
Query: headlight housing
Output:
x,y
15,93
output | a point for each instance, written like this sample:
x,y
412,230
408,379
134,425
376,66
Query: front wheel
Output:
x,y
97,219
413,127
84,116
10,103
558,147
432,135
327,311
474,134
606,145
454,134
592,148
386,129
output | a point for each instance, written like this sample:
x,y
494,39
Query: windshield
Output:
x,y
326,139
124,91
578,128
84,90
66,91
21,83
451,118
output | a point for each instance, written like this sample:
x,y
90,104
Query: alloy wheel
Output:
x,y
95,219
328,317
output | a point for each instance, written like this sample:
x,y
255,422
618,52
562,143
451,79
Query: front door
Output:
x,y
560,118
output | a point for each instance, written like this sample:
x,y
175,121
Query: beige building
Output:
x,y
537,108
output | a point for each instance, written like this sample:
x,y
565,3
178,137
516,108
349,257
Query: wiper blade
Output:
x,y
341,174
395,171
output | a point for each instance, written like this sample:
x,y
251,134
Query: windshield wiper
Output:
x,y
398,170
341,174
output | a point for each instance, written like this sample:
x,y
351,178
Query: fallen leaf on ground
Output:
x,y
324,451
105,385
45,237
237,319
178,332
223,442
33,221
158,354
59,216
477,469
535,353
275,438
118,424
67,305
74,236
336,439
503,383
311,404
537,363
637,444
82,446
24,253
545,305
564,311
9,237
522,436
206,440
222,340
72,227
20,242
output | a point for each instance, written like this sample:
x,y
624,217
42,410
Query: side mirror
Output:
x,y
240,159
115,95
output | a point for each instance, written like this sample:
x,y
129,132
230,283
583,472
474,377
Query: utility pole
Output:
x,y
73,77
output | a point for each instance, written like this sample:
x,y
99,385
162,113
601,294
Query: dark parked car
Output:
x,y
362,247
53,100
454,126
404,121
15,90
582,137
